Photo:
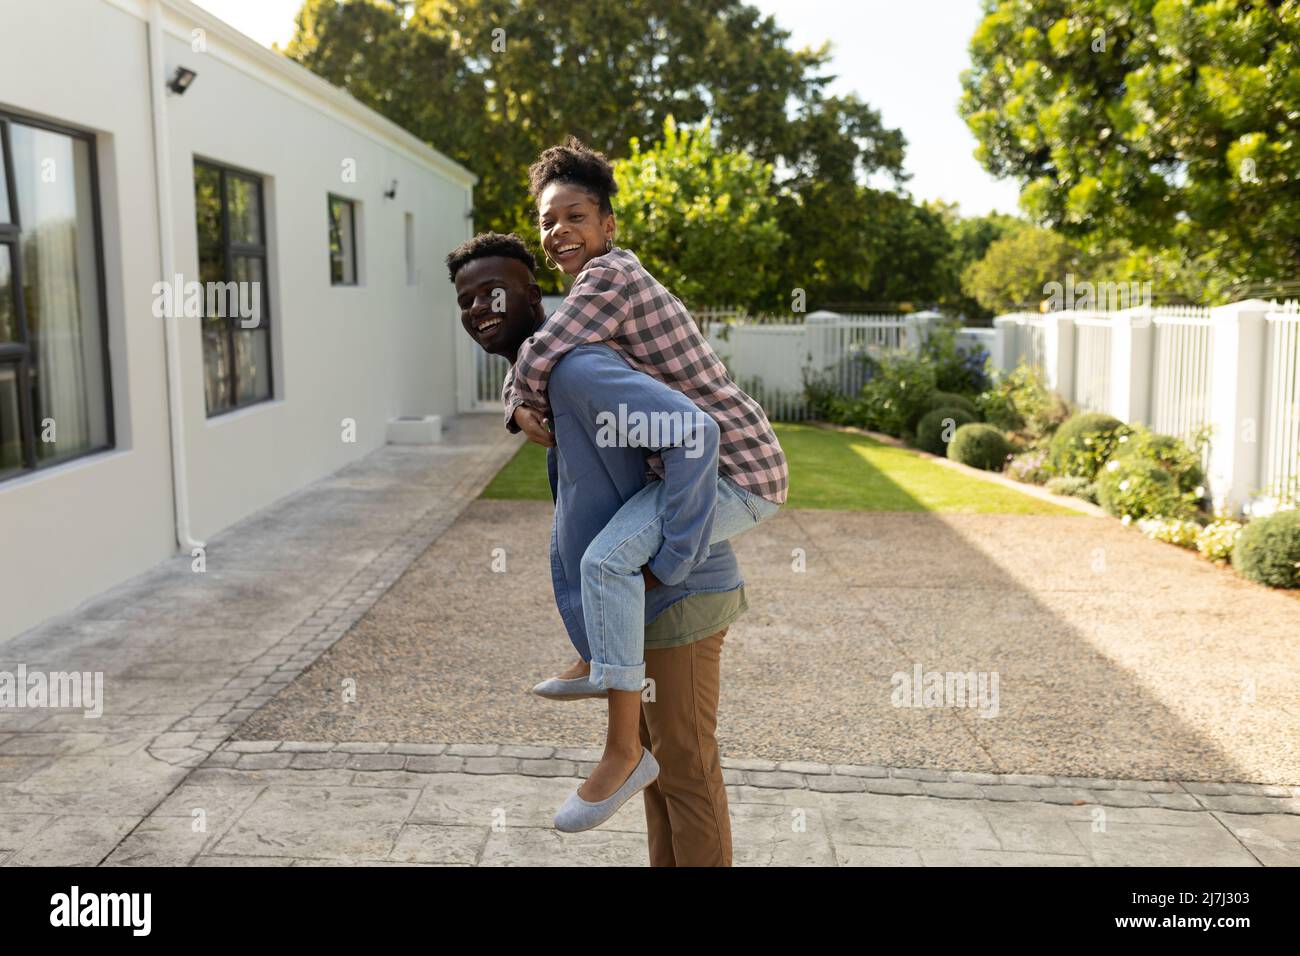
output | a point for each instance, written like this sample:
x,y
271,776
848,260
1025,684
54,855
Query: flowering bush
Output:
x,y
1084,443
1218,538
1029,467
1166,451
1131,488
1173,530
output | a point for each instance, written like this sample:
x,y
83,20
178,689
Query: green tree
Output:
x,y
493,82
1165,124
702,219
970,237
1013,272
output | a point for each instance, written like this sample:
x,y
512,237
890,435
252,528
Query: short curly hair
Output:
x,y
489,244
575,164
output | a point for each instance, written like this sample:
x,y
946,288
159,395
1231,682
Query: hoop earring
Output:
x,y
609,245
549,263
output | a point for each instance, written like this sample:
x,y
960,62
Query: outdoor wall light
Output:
x,y
391,191
181,81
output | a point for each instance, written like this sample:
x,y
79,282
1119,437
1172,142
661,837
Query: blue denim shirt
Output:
x,y
591,482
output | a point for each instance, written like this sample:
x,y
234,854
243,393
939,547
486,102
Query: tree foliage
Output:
x,y
702,219
1162,124
1013,272
493,82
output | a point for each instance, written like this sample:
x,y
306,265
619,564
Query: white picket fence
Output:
x,y
1233,370
1181,366
768,359
1280,449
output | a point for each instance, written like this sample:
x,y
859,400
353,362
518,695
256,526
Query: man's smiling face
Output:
x,y
500,303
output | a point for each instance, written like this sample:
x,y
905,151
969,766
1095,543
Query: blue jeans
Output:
x,y
613,590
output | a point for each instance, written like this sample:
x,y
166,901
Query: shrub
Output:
x,y
894,399
1083,444
1131,488
953,400
1217,539
1173,530
955,369
1170,453
1029,467
933,431
1074,487
981,446
820,393
1020,401
1268,550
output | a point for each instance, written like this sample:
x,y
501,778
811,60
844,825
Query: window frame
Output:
x,y
21,354
330,199
229,252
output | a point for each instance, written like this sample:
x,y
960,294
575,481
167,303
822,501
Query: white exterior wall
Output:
x,y
370,353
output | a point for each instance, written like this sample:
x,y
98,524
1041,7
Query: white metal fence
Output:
x,y
1092,363
1232,371
1280,464
769,359
1181,367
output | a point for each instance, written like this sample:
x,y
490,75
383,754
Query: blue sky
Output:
x,y
905,59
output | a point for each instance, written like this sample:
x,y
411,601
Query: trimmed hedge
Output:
x,y
981,446
930,430
1083,444
1268,550
953,400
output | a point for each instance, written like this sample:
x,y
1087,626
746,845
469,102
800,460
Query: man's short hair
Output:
x,y
490,244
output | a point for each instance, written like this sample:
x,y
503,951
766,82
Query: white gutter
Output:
x,y
162,180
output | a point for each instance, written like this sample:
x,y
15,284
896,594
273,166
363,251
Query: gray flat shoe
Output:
x,y
577,814
571,688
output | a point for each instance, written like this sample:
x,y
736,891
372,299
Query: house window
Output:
x,y
55,393
232,269
343,241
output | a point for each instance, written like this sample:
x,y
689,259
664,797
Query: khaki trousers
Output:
x,y
686,807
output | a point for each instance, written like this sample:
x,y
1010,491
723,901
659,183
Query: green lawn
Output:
x,y
830,469
523,478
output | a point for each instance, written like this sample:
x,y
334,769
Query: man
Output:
x,y
686,807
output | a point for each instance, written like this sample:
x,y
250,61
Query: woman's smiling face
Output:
x,y
574,230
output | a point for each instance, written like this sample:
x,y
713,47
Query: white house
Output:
x,y
145,140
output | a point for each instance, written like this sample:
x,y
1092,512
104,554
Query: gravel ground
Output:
x,y
1115,656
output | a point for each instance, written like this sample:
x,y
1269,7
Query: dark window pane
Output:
x,y
11,442
5,215
252,294
254,363
8,316
61,291
342,239
207,209
217,365
236,345
245,209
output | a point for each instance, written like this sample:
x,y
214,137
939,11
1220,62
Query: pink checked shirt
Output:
x,y
616,301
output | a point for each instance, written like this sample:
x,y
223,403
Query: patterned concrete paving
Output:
x,y
163,778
